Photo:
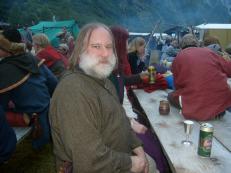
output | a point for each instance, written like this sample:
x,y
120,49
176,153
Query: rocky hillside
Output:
x,y
136,15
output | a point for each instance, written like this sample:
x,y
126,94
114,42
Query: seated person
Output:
x,y
119,79
83,116
7,138
136,50
170,52
64,50
27,83
200,78
54,60
213,43
228,49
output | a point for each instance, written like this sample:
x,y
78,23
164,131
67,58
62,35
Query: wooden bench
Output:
x,y
22,132
170,131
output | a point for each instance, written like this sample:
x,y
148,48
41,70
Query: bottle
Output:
x,y
152,73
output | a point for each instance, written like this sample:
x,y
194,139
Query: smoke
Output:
x,y
143,15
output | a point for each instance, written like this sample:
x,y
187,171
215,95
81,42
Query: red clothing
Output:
x,y
200,77
160,83
126,67
15,119
51,56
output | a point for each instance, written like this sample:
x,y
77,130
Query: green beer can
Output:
x,y
205,140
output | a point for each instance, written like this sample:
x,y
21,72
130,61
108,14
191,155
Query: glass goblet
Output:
x,y
188,126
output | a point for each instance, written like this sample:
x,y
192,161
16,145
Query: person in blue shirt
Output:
x,y
27,83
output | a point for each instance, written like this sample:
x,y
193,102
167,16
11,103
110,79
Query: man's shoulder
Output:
x,y
70,76
69,83
74,80
74,85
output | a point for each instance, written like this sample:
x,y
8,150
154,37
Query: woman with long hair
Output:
x,y
136,52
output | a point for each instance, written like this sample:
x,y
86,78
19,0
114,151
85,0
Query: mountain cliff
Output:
x,y
136,15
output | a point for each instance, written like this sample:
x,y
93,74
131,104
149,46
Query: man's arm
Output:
x,y
51,80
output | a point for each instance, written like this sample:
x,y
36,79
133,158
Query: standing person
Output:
x,y
54,60
136,51
121,41
27,83
200,78
87,131
66,37
150,142
27,37
122,73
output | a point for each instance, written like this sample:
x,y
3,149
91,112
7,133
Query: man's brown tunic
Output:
x,y
89,126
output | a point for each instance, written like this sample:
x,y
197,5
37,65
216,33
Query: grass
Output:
x,y
27,160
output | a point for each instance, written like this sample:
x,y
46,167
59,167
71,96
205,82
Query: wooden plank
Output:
x,y
222,130
21,132
170,132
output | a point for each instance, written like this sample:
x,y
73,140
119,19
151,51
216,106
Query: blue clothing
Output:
x,y
170,82
7,138
39,89
33,96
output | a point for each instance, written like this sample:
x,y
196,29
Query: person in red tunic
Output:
x,y
200,78
54,60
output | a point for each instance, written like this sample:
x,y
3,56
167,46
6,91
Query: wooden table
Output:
x,y
222,130
170,131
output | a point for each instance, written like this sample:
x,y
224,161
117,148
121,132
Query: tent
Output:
x,y
4,25
222,31
53,28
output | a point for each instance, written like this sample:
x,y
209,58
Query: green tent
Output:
x,y
53,28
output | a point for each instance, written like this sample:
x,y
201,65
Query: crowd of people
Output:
x,y
66,94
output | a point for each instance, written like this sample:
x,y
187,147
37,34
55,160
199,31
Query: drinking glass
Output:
x,y
188,126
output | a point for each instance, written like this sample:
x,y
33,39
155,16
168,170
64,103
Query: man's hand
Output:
x,y
137,127
139,162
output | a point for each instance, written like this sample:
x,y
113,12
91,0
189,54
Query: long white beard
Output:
x,y
93,65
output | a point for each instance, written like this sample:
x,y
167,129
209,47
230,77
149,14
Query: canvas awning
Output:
x,y
53,28
221,31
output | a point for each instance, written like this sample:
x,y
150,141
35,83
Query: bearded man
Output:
x,y
89,127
